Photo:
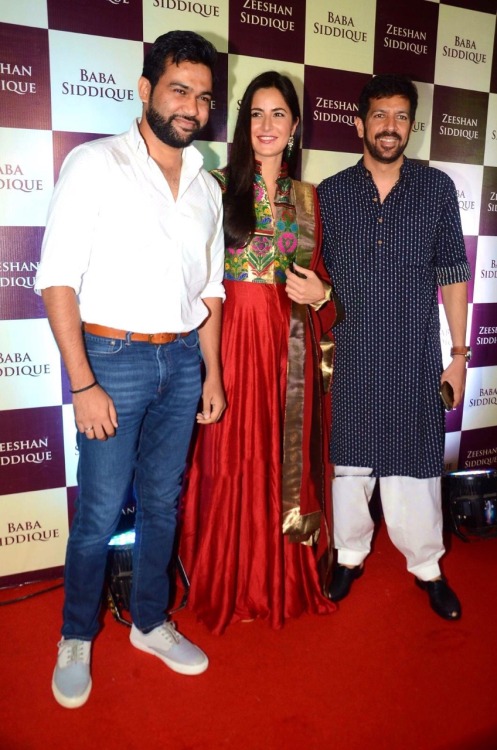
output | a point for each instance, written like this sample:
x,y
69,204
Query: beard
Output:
x,y
165,131
378,155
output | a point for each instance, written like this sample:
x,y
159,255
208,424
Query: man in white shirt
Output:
x,y
131,277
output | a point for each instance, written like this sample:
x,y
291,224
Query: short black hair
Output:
x,y
387,85
177,47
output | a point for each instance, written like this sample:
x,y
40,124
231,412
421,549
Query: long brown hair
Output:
x,y
239,214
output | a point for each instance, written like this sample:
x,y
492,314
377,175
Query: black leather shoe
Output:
x,y
342,580
443,601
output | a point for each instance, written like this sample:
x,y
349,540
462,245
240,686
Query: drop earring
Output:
x,y
289,146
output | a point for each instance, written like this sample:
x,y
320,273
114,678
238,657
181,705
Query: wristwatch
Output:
x,y
465,351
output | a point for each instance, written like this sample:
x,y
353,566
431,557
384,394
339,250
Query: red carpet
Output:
x,y
384,672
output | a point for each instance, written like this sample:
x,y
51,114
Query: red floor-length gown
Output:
x,y
240,564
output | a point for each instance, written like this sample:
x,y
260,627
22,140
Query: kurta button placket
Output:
x,y
379,221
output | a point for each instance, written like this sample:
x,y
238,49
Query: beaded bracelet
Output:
x,y
86,388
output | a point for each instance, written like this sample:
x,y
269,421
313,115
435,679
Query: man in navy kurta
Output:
x,y
392,235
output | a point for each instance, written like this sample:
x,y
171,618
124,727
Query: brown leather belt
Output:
x,y
117,333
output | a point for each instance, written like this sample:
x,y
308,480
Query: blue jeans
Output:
x,y
155,389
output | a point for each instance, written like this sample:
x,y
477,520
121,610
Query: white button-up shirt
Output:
x,y
138,259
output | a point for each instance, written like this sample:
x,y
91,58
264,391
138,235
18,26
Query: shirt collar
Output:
x,y
193,160
364,173
136,139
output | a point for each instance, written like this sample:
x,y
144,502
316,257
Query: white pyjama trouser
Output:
x,y
412,509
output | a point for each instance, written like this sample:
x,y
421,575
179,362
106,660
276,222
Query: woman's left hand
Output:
x,y
307,290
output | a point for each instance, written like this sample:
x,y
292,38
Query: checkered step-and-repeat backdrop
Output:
x,y
68,73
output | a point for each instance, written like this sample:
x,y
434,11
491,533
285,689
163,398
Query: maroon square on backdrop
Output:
x,y
478,449
406,38
459,125
274,30
484,335
24,78
330,107
121,19
19,256
488,207
32,449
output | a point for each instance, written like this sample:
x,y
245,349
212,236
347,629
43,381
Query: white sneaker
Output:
x,y
173,648
71,681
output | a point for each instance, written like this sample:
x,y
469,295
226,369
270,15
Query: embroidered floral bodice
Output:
x,y
274,243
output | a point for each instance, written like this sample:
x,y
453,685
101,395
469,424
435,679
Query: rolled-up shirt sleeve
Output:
x,y
452,264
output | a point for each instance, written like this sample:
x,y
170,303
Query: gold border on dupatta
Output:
x,y
299,528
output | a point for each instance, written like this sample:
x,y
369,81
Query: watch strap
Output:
x,y
465,351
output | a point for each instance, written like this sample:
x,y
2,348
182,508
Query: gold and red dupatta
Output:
x,y
306,470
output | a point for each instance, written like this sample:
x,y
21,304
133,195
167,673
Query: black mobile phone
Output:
x,y
447,395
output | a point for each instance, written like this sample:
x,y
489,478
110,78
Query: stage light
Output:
x,y
120,576
120,573
469,500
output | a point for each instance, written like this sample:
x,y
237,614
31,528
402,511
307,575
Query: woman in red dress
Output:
x,y
255,525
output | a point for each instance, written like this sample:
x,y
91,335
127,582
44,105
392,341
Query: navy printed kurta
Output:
x,y
386,260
